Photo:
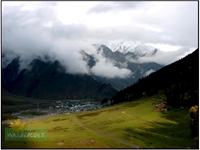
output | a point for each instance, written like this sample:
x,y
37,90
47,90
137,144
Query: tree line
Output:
x,y
179,82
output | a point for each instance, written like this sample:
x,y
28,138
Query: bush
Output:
x,y
194,120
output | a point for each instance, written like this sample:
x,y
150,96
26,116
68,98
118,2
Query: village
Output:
x,y
73,106
61,107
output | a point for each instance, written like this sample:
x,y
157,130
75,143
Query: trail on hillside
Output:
x,y
104,134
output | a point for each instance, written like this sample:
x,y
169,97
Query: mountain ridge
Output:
x,y
48,80
115,59
136,48
120,60
178,81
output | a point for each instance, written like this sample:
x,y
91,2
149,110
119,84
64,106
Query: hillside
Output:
x,y
133,124
48,80
179,81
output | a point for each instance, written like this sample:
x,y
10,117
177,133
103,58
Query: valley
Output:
x,y
121,75
135,124
147,114
23,108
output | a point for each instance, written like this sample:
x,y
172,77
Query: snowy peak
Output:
x,y
133,47
122,47
143,50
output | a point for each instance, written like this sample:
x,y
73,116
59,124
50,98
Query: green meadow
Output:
x,y
134,124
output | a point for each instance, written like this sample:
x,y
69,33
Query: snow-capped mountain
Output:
x,y
123,60
137,48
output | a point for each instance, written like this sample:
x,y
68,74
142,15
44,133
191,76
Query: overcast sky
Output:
x,y
63,28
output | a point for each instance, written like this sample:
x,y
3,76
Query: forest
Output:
x,y
179,82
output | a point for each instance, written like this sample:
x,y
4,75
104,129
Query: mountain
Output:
x,y
120,60
48,80
117,59
136,48
179,82
88,58
10,72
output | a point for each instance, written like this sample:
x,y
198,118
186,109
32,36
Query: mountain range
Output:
x,y
136,48
123,60
47,79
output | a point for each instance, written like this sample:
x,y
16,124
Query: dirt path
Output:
x,y
104,134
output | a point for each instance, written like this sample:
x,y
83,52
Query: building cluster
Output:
x,y
62,107
74,106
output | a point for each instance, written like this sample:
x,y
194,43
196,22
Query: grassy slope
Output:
x,y
132,124
11,103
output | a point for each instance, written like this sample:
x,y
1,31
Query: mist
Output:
x,y
56,29
163,58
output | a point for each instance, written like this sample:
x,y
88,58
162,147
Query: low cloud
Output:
x,y
32,29
31,42
148,72
106,68
163,58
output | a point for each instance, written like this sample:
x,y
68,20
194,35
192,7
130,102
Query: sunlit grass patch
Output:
x,y
134,124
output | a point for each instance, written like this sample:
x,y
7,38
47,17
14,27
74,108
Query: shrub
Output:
x,y
194,120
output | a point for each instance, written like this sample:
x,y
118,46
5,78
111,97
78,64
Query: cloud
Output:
x,y
178,24
30,37
148,72
72,31
68,53
163,58
174,23
104,7
27,36
7,57
62,29
106,68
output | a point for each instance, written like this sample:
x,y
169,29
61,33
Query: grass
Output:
x,y
11,103
6,116
32,114
127,125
